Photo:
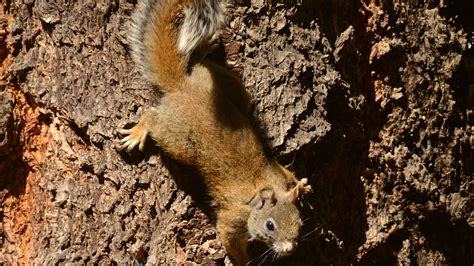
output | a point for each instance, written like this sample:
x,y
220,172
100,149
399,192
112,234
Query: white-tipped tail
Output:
x,y
141,19
202,19
164,33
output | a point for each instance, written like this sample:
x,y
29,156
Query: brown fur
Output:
x,y
168,64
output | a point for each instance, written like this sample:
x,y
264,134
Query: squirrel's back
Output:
x,y
164,34
205,124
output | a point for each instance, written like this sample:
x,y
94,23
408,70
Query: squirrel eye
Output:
x,y
269,225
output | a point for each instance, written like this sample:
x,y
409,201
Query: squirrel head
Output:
x,y
275,221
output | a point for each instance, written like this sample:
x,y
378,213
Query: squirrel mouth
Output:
x,y
285,248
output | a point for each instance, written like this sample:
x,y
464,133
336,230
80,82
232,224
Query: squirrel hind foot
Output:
x,y
134,136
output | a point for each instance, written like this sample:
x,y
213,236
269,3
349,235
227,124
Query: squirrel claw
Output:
x,y
134,136
303,187
300,188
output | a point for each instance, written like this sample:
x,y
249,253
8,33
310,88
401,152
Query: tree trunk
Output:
x,y
372,101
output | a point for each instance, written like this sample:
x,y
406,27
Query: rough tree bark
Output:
x,y
371,100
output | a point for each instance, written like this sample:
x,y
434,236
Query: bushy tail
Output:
x,y
164,33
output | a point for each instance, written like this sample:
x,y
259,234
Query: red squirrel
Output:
x,y
203,120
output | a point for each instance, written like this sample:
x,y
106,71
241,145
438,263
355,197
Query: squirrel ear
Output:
x,y
263,197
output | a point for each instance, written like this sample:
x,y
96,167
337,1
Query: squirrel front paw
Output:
x,y
303,187
300,188
135,135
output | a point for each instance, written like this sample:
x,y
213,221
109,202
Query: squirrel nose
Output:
x,y
288,247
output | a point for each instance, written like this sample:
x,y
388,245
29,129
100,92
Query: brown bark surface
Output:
x,y
372,101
